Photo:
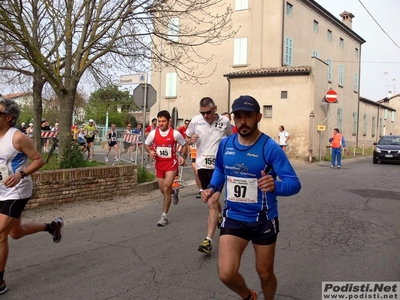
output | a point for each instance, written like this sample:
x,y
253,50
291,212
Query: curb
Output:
x,y
147,187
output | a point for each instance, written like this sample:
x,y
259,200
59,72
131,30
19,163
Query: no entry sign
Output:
x,y
331,96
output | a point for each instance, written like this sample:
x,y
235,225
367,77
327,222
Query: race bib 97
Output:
x,y
243,190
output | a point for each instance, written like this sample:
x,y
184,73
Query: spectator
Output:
x,y
22,128
337,141
284,137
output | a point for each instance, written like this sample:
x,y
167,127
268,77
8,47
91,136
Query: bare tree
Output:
x,y
62,39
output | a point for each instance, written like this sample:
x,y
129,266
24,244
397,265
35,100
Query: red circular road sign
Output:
x,y
331,96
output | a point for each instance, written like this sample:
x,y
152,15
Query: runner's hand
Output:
x,y
266,183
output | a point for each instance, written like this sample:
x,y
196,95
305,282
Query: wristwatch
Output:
x,y
23,174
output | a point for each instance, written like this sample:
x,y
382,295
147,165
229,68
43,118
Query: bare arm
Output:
x,y
23,143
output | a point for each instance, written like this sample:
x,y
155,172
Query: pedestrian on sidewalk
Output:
x,y
250,163
284,137
337,141
161,146
16,185
206,130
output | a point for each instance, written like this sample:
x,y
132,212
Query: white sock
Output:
x,y
210,239
164,215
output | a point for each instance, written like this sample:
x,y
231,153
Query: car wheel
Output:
x,y
374,160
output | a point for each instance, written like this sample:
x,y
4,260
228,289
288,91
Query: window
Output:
x,y
365,124
173,29
315,54
392,116
373,132
329,62
267,111
356,52
339,119
289,51
385,114
284,94
341,43
289,9
240,52
355,116
315,26
341,75
380,127
355,85
170,86
241,4
329,32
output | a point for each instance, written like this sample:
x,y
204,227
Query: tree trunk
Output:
x,y
66,113
38,83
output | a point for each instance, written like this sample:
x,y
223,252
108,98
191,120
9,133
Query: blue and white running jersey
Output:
x,y
240,167
11,162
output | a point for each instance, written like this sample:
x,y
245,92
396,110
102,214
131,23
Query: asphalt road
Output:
x,y
342,226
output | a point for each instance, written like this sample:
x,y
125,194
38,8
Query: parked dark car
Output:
x,y
387,149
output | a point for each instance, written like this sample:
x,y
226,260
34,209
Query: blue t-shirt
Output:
x,y
240,167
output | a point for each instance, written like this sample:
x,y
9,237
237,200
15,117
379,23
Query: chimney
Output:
x,y
347,18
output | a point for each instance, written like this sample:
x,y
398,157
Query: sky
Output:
x,y
380,56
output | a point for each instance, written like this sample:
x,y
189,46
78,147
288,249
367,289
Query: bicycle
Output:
x,y
84,146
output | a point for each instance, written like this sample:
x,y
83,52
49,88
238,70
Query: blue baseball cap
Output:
x,y
245,103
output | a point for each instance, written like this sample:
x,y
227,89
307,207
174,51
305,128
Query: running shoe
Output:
x,y
116,159
338,167
175,196
57,224
253,295
163,221
219,221
106,159
3,287
205,246
198,196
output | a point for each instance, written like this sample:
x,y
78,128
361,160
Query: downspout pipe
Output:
x,y
229,93
358,99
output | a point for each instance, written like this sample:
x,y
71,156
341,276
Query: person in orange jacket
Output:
x,y
337,141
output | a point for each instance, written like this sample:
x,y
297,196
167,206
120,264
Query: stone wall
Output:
x,y
70,185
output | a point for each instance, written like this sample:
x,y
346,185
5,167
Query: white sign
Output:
x,y
133,78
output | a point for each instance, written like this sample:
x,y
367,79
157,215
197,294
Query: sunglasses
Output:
x,y
207,112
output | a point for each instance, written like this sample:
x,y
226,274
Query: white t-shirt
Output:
x,y
209,138
282,137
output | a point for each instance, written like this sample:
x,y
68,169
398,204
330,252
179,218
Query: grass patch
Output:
x,y
144,175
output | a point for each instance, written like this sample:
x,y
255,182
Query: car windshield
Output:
x,y
390,141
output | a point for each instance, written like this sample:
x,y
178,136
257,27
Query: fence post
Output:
x,y
354,150
363,149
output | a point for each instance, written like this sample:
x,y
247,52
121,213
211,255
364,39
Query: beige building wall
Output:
x,y
285,111
266,26
375,120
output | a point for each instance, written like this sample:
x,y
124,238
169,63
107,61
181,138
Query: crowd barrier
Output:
x,y
128,145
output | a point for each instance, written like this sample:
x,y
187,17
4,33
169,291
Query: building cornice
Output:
x,y
376,103
268,72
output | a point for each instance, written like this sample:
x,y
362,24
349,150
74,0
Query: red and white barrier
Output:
x,y
130,137
49,134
